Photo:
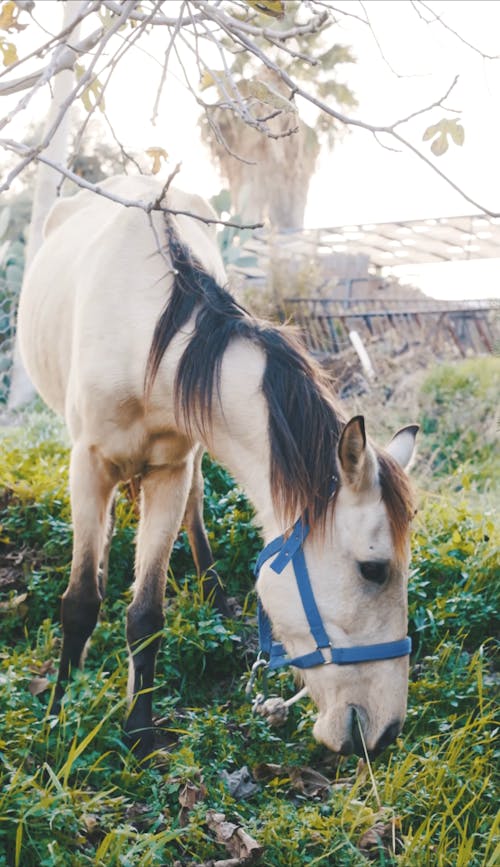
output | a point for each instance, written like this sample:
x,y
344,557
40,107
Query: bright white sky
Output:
x,y
359,182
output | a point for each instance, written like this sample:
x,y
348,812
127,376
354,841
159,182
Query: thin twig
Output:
x,y
437,19
147,207
437,104
165,67
379,46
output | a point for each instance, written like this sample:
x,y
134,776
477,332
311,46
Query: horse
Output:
x,y
127,331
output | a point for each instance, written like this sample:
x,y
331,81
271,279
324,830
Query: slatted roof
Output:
x,y
445,239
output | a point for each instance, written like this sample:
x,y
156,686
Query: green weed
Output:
x,y
70,793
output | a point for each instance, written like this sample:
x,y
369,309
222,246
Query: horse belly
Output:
x,y
44,330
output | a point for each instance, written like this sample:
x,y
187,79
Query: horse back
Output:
x,y
92,297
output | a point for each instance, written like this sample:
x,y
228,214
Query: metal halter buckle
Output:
x,y
260,663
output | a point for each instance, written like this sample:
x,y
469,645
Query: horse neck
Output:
x,y
239,438
250,469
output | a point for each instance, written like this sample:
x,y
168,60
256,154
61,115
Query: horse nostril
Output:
x,y
388,736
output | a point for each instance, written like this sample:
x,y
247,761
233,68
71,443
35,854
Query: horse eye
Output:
x,y
374,570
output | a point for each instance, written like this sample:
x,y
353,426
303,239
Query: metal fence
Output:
x,y
460,327
326,321
9,294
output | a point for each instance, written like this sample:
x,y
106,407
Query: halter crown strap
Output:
x,y
290,550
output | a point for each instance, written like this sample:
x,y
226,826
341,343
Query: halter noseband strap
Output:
x,y
290,550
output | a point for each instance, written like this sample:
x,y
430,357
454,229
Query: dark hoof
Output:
x,y
140,742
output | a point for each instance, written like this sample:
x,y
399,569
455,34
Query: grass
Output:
x,y
70,793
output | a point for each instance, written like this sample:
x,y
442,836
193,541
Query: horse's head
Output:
x,y
357,564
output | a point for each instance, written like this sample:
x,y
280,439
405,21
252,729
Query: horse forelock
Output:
x,y
304,424
398,498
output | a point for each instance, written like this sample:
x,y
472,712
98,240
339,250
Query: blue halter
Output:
x,y
291,550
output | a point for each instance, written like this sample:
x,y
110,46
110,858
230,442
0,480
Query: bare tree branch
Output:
x,y
211,22
380,49
232,28
147,207
64,58
165,67
58,38
137,15
437,104
438,19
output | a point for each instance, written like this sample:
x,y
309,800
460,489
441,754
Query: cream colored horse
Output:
x,y
146,361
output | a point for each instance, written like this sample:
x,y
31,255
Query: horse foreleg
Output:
x,y
91,483
212,587
163,501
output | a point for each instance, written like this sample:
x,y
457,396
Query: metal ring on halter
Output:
x,y
260,663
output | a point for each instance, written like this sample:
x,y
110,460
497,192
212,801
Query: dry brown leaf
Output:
x,y
8,17
157,155
226,862
306,780
239,844
189,795
46,667
267,771
38,685
381,837
93,830
14,602
311,783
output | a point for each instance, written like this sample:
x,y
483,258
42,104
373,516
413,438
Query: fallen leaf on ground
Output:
x,y
189,795
226,862
38,685
311,783
240,783
46,667
93,830
239,844
15,602
268,770
305,780
381,838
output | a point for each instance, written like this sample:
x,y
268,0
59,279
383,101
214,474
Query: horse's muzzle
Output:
x,y
354,738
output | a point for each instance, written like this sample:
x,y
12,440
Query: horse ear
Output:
x,y
402,445
357,461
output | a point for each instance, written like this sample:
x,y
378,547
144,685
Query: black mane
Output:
x,y
304,425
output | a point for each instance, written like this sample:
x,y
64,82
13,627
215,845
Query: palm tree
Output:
x,y
269,174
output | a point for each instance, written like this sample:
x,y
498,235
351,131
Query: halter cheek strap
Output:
x,y
290,550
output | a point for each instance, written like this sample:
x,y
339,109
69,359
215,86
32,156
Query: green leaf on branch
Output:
x,y
92,97
440,132
274,8
336,54
9,52
210,79
265,93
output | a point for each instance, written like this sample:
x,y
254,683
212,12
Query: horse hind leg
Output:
x,y
164,495
91,483
212,587
102,572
